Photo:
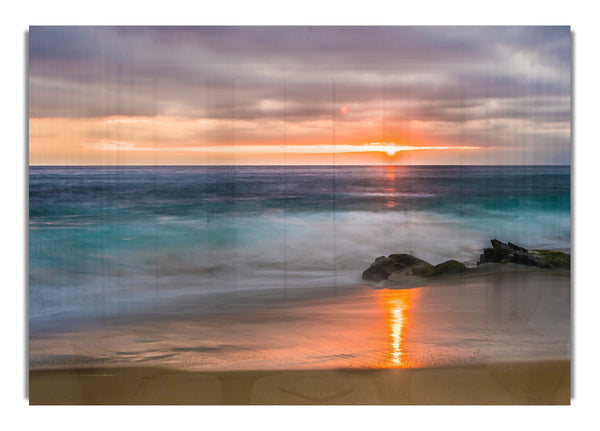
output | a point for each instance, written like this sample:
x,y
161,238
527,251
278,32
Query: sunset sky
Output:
x,y
299,95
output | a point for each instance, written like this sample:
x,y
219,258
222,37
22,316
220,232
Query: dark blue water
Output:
x,y
110,238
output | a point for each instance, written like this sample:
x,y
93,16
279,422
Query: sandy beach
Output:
x,y
533,382
500,335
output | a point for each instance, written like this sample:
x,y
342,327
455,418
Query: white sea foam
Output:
x,y
281,250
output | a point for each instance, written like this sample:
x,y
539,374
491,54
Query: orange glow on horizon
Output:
x,y
120,140
389,149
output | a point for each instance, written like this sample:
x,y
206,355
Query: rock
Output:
x,y
512,253
489,255
406,259
399,267
551,258
378,270
421,269
383,266
523,259
449,267
516,247
499,252
501,248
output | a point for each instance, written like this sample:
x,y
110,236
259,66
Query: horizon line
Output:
x,y
291,164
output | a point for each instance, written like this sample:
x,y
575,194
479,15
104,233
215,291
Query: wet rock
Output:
x,y
512,253
499,252
400,267
406,259
516,247
551,258
523,259
397,266
421,269
379,270
448,267
383,267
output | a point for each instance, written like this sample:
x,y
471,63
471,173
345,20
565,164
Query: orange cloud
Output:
x,y
172,140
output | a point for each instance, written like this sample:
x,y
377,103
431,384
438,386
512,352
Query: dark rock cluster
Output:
x,y
511,253
396,265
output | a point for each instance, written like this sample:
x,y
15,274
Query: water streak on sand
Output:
x,y
397,304
397,322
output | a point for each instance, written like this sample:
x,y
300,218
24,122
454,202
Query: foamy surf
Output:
x,y
107,240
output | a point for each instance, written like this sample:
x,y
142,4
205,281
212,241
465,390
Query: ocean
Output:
x,y
119,240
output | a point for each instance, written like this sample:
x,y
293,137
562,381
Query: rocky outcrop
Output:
x,y
511,253
397,267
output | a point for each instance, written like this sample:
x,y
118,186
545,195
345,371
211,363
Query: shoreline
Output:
x,y
243,298
444,342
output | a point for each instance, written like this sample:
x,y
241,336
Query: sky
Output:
x,y
299,95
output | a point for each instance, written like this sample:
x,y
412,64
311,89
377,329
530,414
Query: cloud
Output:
x,y
390,75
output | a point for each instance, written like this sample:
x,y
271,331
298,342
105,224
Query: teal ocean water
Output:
x,y
106,240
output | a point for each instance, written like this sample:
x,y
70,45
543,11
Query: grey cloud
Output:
x,y
439,73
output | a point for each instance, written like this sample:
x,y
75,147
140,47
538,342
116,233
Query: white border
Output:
x,y
15,21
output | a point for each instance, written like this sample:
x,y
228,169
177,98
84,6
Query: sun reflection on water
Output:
x,y
391,189
397,303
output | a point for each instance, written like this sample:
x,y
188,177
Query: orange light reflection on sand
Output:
x,y
397,304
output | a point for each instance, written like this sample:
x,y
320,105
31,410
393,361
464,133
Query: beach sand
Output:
x,y
500,335
535,382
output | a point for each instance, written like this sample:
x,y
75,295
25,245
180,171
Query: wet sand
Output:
x,y
500,335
